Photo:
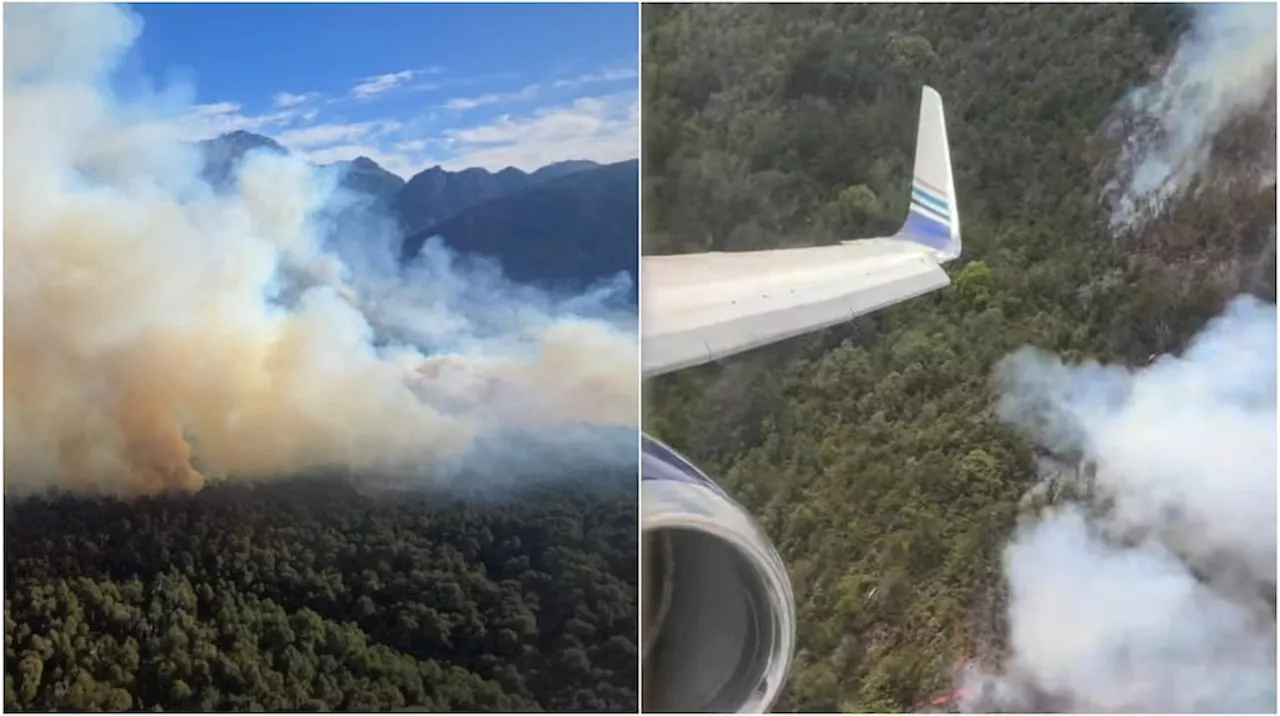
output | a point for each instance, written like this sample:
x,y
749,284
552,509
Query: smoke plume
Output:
x,y
1155,589
159,332
1223,67
1142,574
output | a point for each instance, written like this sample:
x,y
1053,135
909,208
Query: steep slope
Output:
x,y
366,176
434,195
560,169
570,231
223,153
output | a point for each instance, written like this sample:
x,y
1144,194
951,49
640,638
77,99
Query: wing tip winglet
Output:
x,y
933,218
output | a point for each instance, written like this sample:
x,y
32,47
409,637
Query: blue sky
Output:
x,y
408,85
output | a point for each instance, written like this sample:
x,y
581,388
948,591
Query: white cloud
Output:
x,y
603,129
396,163
525,93
334,142
215,109
210,120
532,91
289,99
610,75
304,138
377,84
319,143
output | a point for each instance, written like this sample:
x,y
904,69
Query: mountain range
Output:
x,y
567,231
568,224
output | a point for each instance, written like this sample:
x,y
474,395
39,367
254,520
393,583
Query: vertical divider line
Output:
x,y
639,356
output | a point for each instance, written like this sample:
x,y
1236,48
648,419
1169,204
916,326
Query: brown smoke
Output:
x,y
141,352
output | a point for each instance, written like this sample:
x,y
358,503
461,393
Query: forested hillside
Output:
x,y
871,452
312,595
571,231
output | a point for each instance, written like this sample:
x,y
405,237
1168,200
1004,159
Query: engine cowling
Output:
x,y
718,615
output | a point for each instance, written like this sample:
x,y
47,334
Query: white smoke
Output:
x,y
1158,593
153,325
1151,587
1224,66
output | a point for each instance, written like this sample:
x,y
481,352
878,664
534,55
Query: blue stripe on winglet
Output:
x,y
929,198
927,230
929,211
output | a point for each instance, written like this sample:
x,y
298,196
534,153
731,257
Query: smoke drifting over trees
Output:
x,y
1153,587
159,332
1154,590
1224,67
1115,172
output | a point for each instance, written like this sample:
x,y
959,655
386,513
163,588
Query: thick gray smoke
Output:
x,y
1155,590
158,333
1224,66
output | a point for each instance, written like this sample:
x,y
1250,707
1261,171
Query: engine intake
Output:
x,y
718,615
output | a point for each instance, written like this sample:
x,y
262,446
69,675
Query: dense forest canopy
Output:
x,y
872,452
311,594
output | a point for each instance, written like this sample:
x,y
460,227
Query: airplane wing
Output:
x,y
697,308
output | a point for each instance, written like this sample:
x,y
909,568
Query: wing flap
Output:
x,y
703,307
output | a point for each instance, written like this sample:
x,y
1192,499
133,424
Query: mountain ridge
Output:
x,y
582,211
586,219
224,152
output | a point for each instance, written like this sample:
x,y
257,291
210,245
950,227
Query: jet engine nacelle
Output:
x,y
719,617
